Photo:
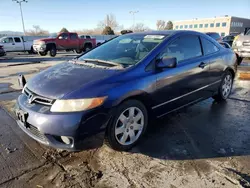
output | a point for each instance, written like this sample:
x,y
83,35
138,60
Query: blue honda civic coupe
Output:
x,y
110,92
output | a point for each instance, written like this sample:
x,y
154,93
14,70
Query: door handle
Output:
x,y
13,43
202,65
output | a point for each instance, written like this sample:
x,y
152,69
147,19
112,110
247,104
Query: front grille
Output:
x,y
34,131
34,98
246,43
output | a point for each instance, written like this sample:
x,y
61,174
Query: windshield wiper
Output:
x,y
103,61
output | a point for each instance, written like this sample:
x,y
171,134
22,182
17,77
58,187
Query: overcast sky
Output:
x,y
52,15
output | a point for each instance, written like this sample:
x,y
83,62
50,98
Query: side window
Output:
x,y
73,36
8,40
17,39
184,47
208,47
64,36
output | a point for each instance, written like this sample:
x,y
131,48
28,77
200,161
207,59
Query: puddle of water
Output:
x,y
9,96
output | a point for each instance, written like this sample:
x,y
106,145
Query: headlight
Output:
x,y
238,43
76,105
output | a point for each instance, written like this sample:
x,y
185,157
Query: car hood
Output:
x,y
243,38
62,79
46,40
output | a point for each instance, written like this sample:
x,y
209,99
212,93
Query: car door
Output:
x,y
73,41
8,44
212,54
18,44
62,41
186,83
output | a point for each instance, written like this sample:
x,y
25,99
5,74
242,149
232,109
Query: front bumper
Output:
x,y
84,129
242,51
39,48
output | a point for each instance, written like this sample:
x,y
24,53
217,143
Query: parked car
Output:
x,y
98,42
2,51
16,44
100,39
215,36
225,45
228,39
241,45
64,41
112,90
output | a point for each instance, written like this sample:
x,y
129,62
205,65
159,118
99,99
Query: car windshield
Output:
x,y
2,39
248,33
126,50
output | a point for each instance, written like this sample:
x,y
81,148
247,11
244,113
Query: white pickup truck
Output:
x,y
99,38
16,44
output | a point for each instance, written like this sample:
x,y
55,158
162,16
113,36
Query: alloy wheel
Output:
x,y
129,126
226,86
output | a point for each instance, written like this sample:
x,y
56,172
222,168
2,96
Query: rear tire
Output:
x,y
87,47
78,51
225,87
129,123
52,51
42,53
31,51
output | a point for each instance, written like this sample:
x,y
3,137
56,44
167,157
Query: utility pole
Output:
x,y
133,13
20,4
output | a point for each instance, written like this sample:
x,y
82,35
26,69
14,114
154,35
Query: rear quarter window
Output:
x,y
208,46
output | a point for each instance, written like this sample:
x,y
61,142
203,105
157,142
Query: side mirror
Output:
x,y
60,37
167,62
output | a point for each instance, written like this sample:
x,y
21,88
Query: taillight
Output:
x,y
1,47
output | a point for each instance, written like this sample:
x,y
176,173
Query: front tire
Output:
x,y
239,60
127,126
42,53
31,51
52,51
225,87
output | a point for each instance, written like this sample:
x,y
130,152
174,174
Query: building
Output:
x,y
223,25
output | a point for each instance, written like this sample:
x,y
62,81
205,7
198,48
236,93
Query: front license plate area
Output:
x,y
22,116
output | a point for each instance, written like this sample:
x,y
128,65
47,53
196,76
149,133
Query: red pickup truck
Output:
x,y
64,41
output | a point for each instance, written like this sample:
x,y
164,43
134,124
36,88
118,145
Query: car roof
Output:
x,y
165,32
212,33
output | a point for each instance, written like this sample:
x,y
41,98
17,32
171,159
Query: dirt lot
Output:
x,y
206,145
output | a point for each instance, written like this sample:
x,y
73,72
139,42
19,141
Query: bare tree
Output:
x,y
109,21
37,31
160,24
139,27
